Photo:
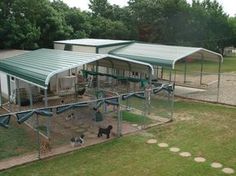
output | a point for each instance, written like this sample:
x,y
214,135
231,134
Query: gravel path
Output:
x,y
208,92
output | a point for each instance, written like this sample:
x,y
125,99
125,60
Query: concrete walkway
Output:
x,y
182,91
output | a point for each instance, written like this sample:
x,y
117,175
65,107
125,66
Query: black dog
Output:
x,y
106,131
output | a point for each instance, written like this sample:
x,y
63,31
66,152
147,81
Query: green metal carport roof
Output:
x,y
164,55
37,67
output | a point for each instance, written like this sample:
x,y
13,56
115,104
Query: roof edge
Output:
x,y
101,56
98,46
198,49
49,76
133,61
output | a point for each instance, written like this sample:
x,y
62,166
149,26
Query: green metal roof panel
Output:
x,y
94,42
37,67
159,54
40,65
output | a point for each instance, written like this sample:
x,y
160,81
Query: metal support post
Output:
x,y
119,120
45,98
37,135
9,92
202,60
31,96
157,72
97,80
185,70
162,70
172,104
219,78
49,118
18,94
175,77
170,76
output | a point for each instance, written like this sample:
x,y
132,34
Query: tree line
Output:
x,y
31,24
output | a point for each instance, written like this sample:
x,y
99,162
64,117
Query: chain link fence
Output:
x,y
206,87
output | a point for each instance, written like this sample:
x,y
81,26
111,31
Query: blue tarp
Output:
x,y
62,109
23,116
5,120
129,95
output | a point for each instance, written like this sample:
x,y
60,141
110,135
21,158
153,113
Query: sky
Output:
x,y
229,6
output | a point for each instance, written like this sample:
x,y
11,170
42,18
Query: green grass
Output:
x,y
209,66
43,129
229,64
15,141
159,105
209,132
134,118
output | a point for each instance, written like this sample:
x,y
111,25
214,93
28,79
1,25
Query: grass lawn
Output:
x,y
159,105
205,130
15,141
209,66
134,118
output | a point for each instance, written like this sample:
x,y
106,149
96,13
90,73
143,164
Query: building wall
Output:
x,y
4,87
59,46
85,49
53,80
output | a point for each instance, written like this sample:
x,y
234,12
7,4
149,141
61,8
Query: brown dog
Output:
x,y
45,146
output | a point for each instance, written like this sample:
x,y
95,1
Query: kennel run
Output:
x,y
44,75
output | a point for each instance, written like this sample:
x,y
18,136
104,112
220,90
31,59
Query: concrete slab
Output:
x,y
180,90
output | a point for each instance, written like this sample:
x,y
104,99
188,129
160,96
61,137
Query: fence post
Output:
x,y
37,134
185,70
9,92
202,59
219,75
119,124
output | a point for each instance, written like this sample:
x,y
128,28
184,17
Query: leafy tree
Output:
x,y
80,23
105,28
100,8
211,26
146,15
29,24
16,29
52,24
232,24
110,21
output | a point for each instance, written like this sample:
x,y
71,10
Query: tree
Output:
x,y
28,24
146,17
80,22
100,8
52,24
110,21
232,24
16,29
105,28
211,25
